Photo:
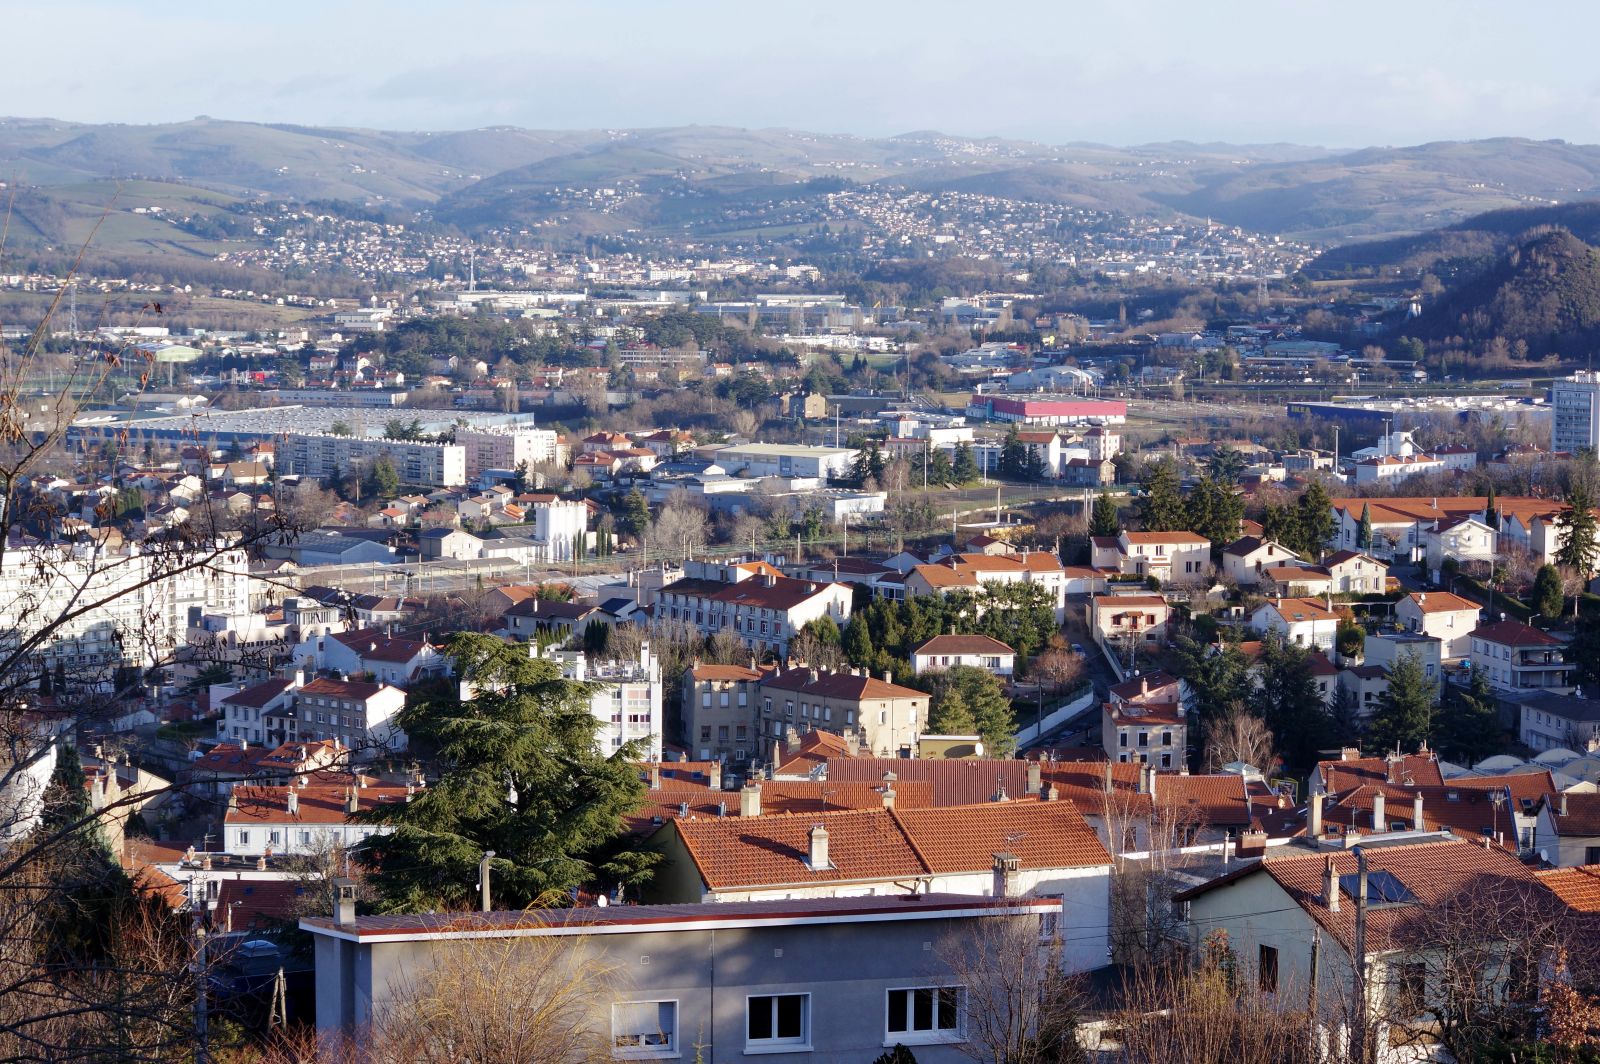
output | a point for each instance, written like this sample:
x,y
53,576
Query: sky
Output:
x,y
1347,74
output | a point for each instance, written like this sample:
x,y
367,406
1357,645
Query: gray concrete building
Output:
x,y
826,979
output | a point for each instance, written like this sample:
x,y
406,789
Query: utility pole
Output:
x,y
197,967
483,879
1359,1038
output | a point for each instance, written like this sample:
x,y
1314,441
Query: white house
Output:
x,y
1520,660
398,662
979,651
1448,618
1183,557
1243,559
1466,539
309,819
1567,829
1353,572
1301,621
1553,721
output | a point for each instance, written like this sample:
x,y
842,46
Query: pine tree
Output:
x,y
635,517
1404,716
1317,523
1469,727
1364,529
520,774
951,716
1104,521
1491,510
1548,597
1576,548
856,640
1013,455
1161,505
983,698
1288,700
1281,524
965,468
1214,511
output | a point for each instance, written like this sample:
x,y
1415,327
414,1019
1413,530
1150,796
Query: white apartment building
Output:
x,y
126,608
562,525
757,604
300,820
442,465
506,447
626,699
1575,412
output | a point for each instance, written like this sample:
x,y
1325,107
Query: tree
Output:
x,y
1160,506
1404,716
1468,724
952,716
1226,464
1219,677
1239,736
1491,510
340,428
635,517
1057,668
1013,455
1021,1005
1286,698
1575,543
1364,529
1351,638
1214,511
679,530
982,696
1548,596
1104,521
1317,523
518,774
1281,524
965,469
384,482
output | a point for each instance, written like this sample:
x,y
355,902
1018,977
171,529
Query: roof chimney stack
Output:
x,y
791,739
344,911
1330,886
1314,816
1051,794
1007,875
714,777
1416,812
750,799
1034,778
294,802
1107,785
888,796
819,848
1377,813
1561,804
655,777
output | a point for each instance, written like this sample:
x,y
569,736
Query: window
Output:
x,y
644,1029
778,1020
934,1013
1591,855
1409,987
1267,969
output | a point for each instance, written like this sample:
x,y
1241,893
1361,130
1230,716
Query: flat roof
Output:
x,y
634,919
780,450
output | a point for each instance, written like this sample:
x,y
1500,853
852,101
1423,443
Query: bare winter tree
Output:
x,y
1021,1007
679,530
1239,735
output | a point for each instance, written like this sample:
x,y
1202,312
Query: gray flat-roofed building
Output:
x,y
814,979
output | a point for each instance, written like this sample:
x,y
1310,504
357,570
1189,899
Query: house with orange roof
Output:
x,y
1245,558
888,718
1520,660
1119,619
1183,557
996,849
979,651
719,711
1296,580
302,819
1144,722
1303,622
1449,618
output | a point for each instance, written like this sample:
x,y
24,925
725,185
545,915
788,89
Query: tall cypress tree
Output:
x,y
1576,547
1364,530
1317,523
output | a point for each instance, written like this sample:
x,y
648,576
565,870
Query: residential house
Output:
x,y
1552,720
1181,557
1303,622
1296,580
1385,649
301,819
1244,558
1390,468
1351,770
1448,618
1462,539
534,616
1123,619
1355,573
720,722
624,696
1144,722
995,849
979,651
888,718
1567,831
1518,660
360,716
764,609
771,983
240,714
368,652
972,571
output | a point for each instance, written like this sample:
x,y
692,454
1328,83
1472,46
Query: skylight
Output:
x,y
1382,888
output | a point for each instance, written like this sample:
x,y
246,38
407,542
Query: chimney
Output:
x,y
750,799
1107,785
714,777
1034,780
819,848
888,797
1144,685
655,777
1144,779
344,910
1051,794
1377,813
813,674
1391,769
1349,753
1561,804
1007,872
1330,886
888,676
294,802
722,809
1416,811
683,810
1314,816
852,744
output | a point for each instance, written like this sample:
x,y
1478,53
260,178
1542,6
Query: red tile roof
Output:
x,y
966,838
733,852
1419,769
963,644
1582,816
840,685
1578,887
262,904
355,690
1514,634
318,803
372,644
1440,602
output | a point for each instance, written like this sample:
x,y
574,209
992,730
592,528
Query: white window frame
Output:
x,y
776,1044
933,1036
642,1052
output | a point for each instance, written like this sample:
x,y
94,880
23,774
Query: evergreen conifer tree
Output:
x,y
1104,521
1404,716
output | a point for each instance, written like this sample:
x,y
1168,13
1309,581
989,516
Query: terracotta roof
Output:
x,y
816,796
1296,574
1440,602
1583,815
1102,602
1301,609
724,673
352,689
263,904
814,748
372,644
1578,887
966,838
1152,687
257,696
1433,872
840,685
1216,800
1514,634
1165,537
944,576
318,803
784,593
1419,769
733,852
963,644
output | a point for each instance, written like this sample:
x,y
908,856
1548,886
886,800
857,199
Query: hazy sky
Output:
x,y
1119,71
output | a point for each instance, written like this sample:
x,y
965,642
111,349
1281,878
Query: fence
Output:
x,y
1058,716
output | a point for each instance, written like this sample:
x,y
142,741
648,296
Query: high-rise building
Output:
x,y
1575,412
506,447
316,454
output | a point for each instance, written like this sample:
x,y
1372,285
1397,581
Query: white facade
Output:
x,y
786,460
320,455
506,447
1575,413
626,699
562,526
1300,621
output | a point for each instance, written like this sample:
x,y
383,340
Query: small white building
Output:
x,y
1448,618
626,698
979,651
1302,622
301,820
1243,559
